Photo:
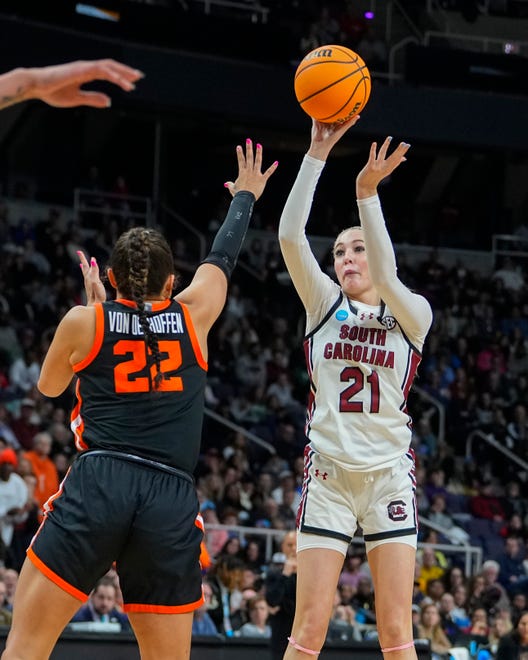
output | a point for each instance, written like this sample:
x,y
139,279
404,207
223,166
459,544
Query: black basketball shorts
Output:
x,y
111,508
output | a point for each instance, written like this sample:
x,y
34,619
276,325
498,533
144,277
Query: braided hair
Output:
x,y
141,262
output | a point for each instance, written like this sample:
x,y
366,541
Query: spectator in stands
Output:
x,y
451,625
251,366
512,572
24,373
310,39
430,569
500,627
510,275
459,612
203,625
434,590
515,503
11,581
215,538
430,628
454,577
327,27
26,524
13,498
373,49
257,626
225,579
435,482
487,503
5,615
493,597
6,432
43,468
424,440
252,555
352,26
231,547
519,603
353,569
23,426
343,625
514,645
437,514
363,601
286,483
517,430
102,605
280,586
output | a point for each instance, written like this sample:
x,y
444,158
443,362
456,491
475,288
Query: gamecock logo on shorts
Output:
x,y
397,510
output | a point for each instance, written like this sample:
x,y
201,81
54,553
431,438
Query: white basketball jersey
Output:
x,y
361,367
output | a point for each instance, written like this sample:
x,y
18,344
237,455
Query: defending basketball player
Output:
x,y
60,85
363,344
129,497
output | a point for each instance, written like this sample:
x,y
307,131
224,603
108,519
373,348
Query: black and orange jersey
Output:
x,y
118,408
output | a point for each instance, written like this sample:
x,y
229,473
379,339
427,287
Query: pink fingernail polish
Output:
x,y
81,266
276,162
248,141
92,261
226,185
259,146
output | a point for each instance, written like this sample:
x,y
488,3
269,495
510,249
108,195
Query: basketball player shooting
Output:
x,y
363,343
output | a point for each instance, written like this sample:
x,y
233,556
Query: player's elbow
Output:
x,y
49,388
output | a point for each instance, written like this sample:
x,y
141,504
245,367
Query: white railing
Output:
x,y
490,439
255,10
477,43
394,73
439,407
101,205
472,554
200,238
240,429
507,245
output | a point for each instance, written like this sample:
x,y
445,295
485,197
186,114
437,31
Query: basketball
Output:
x,y
332,84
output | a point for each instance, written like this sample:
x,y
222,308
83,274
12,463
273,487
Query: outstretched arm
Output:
x,y
60,85
313,287
411,310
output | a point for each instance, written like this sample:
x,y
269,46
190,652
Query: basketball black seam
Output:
x,y
345,104
348,62
335,82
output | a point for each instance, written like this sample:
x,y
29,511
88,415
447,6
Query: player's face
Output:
x,y
350,263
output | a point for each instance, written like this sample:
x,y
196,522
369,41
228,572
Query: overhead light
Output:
x,y
97,12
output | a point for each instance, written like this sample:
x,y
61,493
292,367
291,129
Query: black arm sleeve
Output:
x,y
229,238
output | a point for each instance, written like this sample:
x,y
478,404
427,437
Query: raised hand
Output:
x,y
250,176
95,290
324,136
379,166
60,85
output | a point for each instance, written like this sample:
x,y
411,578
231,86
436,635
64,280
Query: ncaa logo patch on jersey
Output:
x,y
341,314
397,510
389,322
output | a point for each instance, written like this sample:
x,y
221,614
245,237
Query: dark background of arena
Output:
x,y
213,80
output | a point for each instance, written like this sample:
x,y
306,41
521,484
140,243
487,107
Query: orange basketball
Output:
x,y
332,83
